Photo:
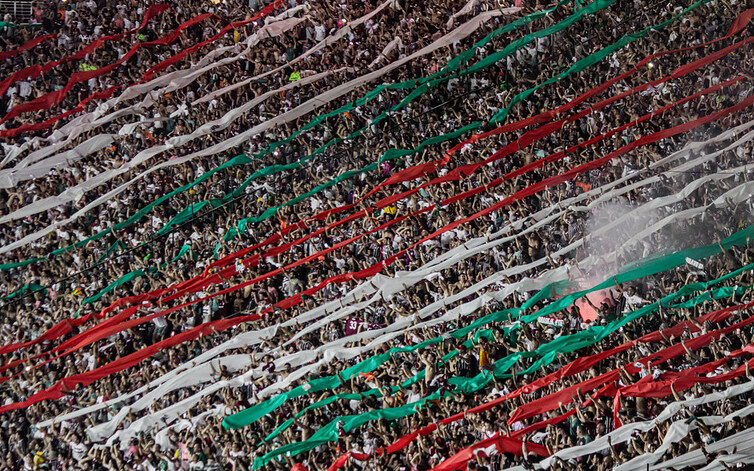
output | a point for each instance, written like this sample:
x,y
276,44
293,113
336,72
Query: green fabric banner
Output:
x,y
33,287
123,279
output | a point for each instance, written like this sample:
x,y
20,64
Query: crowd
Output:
x,y
259,246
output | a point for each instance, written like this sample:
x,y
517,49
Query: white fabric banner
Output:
x,y
396,42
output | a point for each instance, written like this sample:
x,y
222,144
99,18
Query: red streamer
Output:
x,y
26,46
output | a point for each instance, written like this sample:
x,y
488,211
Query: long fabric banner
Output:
x,y
495,445
26,46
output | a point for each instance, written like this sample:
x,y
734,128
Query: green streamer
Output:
x,y
368,365
33,287
329,433
123,279
186,247
116,245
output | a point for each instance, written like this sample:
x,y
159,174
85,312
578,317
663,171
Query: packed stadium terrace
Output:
x,y
364,235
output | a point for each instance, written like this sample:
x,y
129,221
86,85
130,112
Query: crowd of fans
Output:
x,y
65,284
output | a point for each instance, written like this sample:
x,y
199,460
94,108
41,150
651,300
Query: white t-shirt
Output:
x,y
319,32
78,451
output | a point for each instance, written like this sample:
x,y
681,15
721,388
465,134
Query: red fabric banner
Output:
x,y
103,95
495,445
26,46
